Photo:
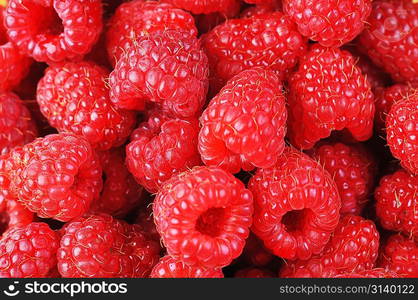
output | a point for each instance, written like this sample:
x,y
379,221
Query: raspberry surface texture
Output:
x,y
227,7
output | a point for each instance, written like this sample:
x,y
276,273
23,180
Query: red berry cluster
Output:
x,y
209,139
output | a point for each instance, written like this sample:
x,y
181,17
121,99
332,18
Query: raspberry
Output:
x,y
401,131
57,176
400,255
329,92
137,18
99,246
28,251
391,38
352,248
353,169
253,273
332,23
227,7
372,273
145,222
17,128
245,124
54,30
162,149
296,206
385,97
255,253
268,40
203,216
396,202
17,214
74,98
168,267
168,68
13,64
120,192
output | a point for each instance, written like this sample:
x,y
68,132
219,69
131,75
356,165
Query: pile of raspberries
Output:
x,y
209,138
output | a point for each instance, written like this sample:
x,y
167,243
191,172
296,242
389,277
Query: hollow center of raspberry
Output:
x,y
51,22
211,221
294,219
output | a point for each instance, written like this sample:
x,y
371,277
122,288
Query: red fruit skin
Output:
x,y
135,19
162,148
401,129
390,38
226,7
120,194
28,252
253,273
396,202
353,169
169,267
400,255
13,65
57,176
325,75
168,68
385,98
145,221
17,214
45,41
74,98
261,8
331,23
244,126
255,254
372,273
353,248
98,246
294,184
269,41
17,127
203,217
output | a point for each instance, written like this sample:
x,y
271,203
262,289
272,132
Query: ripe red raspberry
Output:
x,y
262,2
28,251
17,215
203,216
353,247
34,27
385,98
296,206
400,255
327,93
391,38
353,169
99,246
169,267
268,40
396,202
372,273
401,131
13,64
17,128
255,253
245,124
57,176
253,273
332,23
168,68
74,98
145,222
162,148
226,7
137,18
120,192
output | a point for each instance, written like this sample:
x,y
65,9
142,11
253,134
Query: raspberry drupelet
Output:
x,y
168,267
28,252
99,246
73,96
168,68
135,19
328,92
68,30
296,206
57,176
203,216
244,126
